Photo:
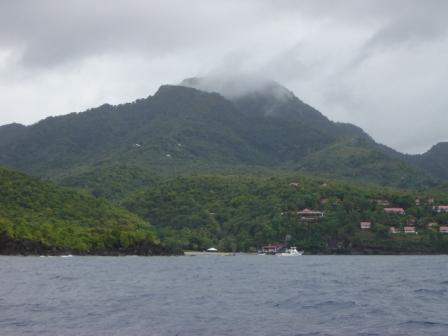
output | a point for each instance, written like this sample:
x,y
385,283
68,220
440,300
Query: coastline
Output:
x,y
24,247
199,254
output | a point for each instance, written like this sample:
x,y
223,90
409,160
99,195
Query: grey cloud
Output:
x,y
50,32
415,23
356,61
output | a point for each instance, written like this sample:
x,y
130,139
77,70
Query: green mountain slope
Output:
x,y
113,183
39,217
183,130
435,160
362,161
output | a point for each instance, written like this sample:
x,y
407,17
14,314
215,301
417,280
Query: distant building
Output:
x,y
272,248
365,225
417,202
399,211
294,184
432,224
383,202
409,229
393,229
443,229
440,208
308,215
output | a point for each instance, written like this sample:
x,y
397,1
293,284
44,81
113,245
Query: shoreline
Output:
x,y
212,254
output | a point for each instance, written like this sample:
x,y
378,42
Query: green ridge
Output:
x,y
48,218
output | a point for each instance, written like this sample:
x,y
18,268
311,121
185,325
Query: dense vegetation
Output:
x,y
110,182
241,213
199,167
435,160
181,130
41,217
232,212
358,160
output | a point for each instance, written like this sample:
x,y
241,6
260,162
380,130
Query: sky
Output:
x,y
379,64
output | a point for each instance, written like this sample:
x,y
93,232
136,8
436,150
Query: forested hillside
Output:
x,y
182,130
213,166
40,217
242,213
113,182
435,160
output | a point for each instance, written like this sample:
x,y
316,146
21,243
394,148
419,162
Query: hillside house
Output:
x,y
398,211
440,208
443,229
365,225
393,229
383,202
272,248
309,215
409,229
432,225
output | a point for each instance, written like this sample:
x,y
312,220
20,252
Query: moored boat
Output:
x,y
291,252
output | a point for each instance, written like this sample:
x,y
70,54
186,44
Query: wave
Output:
x,y
331,304
430,291
424,323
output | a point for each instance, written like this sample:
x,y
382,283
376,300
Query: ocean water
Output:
x,y
212,295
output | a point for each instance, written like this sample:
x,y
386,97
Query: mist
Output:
x,y
378,64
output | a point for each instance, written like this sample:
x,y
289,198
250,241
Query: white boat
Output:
x,y
291,252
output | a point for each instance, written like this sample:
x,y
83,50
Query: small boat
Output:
x,y
291,252
66,256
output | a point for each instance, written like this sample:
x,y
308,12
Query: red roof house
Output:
x,y
399,211
443,229
409,229
272,248
440,208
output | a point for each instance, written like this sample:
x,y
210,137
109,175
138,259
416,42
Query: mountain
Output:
x,y
263,98
248,126
361,160
39,217
435,160
10,133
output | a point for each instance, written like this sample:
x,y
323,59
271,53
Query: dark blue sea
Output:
x,y
212,295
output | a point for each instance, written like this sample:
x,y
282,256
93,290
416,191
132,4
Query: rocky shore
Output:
x,y
10,246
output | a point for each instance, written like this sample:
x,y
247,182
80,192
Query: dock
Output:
x,y
199,254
